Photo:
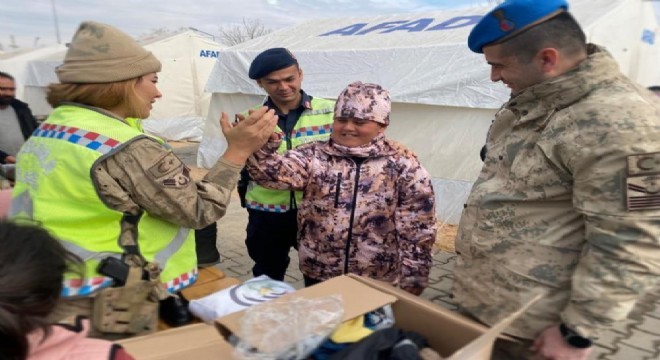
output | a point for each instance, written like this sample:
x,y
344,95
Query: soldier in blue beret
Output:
x,y
272,228
567,204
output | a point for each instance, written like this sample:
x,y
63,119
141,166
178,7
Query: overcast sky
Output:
x,y
27,20
25,23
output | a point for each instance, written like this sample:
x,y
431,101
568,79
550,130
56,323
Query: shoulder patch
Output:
x,y
167,164
643,182
170,171
178,179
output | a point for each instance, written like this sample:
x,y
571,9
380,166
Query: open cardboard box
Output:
x,y
452,335
194,342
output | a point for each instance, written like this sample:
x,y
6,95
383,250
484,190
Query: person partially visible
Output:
x,y
567,203
368,206
272,226
116,197
655,89
16,120
32,268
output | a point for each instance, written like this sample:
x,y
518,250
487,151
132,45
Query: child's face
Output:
x,y
353,132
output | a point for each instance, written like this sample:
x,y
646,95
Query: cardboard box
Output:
x,y
193,342
452,335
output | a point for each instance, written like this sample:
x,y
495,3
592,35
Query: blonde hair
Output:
x,y
120,94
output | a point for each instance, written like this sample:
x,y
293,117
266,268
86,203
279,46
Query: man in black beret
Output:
x,y
272,224
655,89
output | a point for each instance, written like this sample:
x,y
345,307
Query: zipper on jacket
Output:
x,y
337,189
358,163
292,194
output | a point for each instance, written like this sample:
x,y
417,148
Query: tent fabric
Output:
x,y
443,99
187,58
14,63
429,66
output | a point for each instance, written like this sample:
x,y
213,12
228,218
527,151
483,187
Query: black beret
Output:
x,y
271,60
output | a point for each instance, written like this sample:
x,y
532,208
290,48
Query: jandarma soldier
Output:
x,y
567,203
272,214
116,197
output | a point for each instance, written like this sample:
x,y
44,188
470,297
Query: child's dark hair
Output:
x,y
32,267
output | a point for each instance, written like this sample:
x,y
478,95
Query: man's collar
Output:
x,y
305,101
17,103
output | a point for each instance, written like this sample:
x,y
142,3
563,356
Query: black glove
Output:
x,y
242,186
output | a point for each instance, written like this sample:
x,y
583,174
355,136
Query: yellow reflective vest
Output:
x,y
55,188
314,124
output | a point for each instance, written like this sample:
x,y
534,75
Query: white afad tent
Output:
x,y
443,99
15,62
187,58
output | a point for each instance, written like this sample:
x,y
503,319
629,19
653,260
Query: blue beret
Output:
x,y
509,18
271,60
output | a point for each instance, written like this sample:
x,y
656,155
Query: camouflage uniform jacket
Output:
x,y
145,175
549,210
375,219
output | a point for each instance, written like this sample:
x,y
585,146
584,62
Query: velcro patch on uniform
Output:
x,y
165,165
643,182
170,171
178,179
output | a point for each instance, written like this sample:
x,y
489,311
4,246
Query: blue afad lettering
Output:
x,y
406,25
209,53
648,36
349,30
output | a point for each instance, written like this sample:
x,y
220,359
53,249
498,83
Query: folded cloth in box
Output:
x,y
238,297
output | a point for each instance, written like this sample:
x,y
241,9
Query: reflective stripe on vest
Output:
x,y
311,131
78,287
41,185
88,139
173,246
313,125
269,208
182,281
22,204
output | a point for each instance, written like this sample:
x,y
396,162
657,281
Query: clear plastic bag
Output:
x,y
288,329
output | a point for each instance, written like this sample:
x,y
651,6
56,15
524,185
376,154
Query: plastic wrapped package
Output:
x,y
288,329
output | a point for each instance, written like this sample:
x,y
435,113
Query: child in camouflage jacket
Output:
x,y
368,206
